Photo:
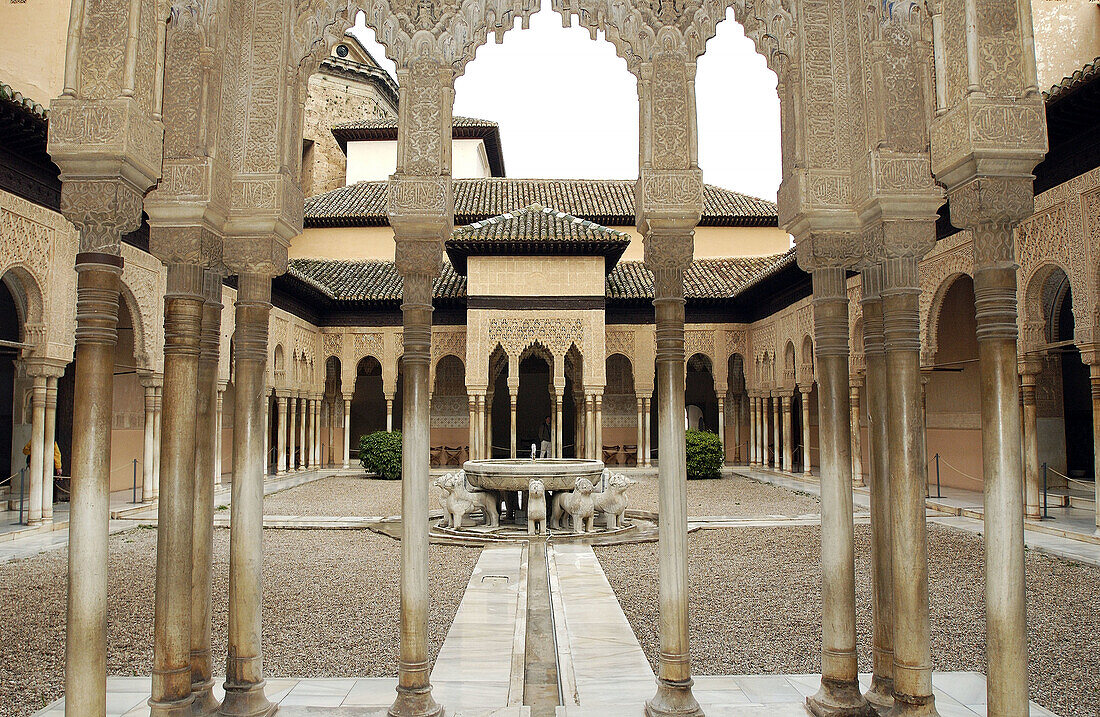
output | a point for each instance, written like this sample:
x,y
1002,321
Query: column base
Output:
x,y
204,703
415,702
246,700
881,694
175,708
838,698
673,699
914,707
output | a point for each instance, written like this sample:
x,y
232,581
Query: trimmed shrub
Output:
x,y
380,454
704,454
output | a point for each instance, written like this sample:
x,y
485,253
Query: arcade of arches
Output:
x,y
941,298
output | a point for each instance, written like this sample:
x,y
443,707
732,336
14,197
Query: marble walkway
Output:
x,y
602,669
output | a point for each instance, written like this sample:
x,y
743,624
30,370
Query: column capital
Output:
x,y
49,368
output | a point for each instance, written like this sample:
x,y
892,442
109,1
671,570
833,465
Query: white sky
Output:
x,y
568,108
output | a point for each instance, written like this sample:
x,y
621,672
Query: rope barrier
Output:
x,y
960,472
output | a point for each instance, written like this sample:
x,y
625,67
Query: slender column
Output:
x,y
207,430
1094,386
806,462
183,310
579,407
217,470
48,461
1031,442
648,433
414,696
765,412
471,406
303,424
148,453
244,680
389,413
332,431
752,430
597,401
97,292
777,425
156,441
674,696
1002,468
317,432
908,476
591,448
488,426
292,432
787,426
347,433
281,434
857,433
268,426
559,405
38,436
881,692
737,429
641,429
722,427
839,693
512,395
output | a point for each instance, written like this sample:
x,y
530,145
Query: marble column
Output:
x,y
156,440
765,413
347,433
38,437
752,431
641,430
414,696
777,426
148,452
807,463
908,481
183,310
487,428
788,456
591,449
648,433
856,431
207,430
1094,387
559,431
97,295
268,427
51,438
389,412
722,428
839,692
292,433
1031,437
513,392
598,407
303,426
471,407
244,680
881,692
674,695
318,453
219,402
281,433
737,429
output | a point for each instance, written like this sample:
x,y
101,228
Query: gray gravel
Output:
x,y
755,607
733,496
342,495
330,608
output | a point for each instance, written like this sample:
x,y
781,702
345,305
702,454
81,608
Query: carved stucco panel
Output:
x,y
952,257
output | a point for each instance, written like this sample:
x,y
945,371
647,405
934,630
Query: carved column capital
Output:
x,y
102,209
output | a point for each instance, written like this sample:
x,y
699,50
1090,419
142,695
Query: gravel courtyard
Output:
x,y
343,495
733,495
755,603
330,608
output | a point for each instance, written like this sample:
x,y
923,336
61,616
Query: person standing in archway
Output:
x,y
544,438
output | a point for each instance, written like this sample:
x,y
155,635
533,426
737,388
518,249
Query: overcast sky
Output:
x,y
568,108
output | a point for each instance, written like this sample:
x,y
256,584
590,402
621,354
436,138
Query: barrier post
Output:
x,y
1045,499
22,492
133,496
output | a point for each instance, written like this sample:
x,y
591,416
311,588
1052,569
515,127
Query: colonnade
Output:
x,y
40,468
297,421
772,438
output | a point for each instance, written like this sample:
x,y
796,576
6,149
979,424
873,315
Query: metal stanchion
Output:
x,y
22,492
133,496
938,494
1045,498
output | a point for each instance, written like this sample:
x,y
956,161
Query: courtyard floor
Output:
x,y
331,608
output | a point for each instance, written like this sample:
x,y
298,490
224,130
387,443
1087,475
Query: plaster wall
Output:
x,y
32,55
351,243
1067,37
721,242
536,276
376,160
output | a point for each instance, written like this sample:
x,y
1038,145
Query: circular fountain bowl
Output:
x,y
517,473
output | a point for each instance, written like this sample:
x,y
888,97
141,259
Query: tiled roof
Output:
x,y
607,201
536,223
385,128
391,123
1085,75
703,279
379,282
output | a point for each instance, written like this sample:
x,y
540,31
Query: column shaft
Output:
x,y
292,433
765,413
787,453
881,692
280,466
857,435
512,395
648,433
207,428
156,441
97,296
303,424
752,430
183,310
839,693
1031,446
48,466
244,680
641,430
389,413
1002,468
776,428
559,404
38,438
674,681
598,402
147,455
806,462
217,468
722,428
347,433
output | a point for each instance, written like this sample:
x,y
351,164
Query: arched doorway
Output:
x,y
620,412
735,441
10,330
699,396
332,419
533,402
368,402
450,415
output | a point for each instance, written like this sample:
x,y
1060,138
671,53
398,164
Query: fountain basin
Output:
x,y
517,473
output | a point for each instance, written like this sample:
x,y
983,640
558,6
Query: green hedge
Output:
x,y
704,454
380,454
